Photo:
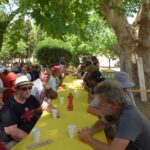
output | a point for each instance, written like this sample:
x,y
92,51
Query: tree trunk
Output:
x,y
143,21
134,40
109,60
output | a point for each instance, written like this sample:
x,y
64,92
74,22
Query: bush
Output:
x,y
49,51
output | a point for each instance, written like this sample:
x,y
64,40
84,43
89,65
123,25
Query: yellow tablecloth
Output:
x,y
56,129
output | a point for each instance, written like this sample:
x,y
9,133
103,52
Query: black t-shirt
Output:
x,y
24,115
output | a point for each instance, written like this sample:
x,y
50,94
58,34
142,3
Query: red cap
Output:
x,y
55,68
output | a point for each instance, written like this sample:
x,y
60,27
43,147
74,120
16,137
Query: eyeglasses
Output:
x,y
26,88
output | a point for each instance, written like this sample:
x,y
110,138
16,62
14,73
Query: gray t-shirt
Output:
x,y
135,127
129,97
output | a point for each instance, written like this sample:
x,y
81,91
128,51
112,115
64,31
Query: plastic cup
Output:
x,y
54,113
71,130
61,100
36,135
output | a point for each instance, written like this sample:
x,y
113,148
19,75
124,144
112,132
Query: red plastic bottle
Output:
x,y
70,100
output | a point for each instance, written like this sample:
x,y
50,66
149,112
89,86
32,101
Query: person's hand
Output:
x,y
46,85
63,86
46,99
85,135
58,114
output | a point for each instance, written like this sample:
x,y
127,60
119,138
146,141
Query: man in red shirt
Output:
x,y
8,79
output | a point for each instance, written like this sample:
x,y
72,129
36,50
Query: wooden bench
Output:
x,y
140,90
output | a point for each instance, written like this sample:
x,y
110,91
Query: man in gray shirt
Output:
x,y
133,128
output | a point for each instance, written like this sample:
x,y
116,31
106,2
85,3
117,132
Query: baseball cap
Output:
x,y
97,76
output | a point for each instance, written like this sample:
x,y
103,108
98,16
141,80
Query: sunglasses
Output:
x,y
26,88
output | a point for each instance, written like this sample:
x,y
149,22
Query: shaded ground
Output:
x,y
143,106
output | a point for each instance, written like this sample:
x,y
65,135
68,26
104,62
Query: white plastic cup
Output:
x,y
61,100
71,130
36,135
54,113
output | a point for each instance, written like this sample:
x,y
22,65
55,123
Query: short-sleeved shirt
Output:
x,y
24,115
53,84
38,90
133,126
129,97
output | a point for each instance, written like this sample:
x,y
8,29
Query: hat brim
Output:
x,y
126,84
24,83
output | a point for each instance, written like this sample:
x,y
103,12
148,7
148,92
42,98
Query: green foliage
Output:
x,y
132,6
21,47
100,37
20,40
59,17
107,48
13,37
80,23
79,48
49,51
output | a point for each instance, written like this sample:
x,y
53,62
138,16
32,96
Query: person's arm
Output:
x,y
94,111
16,133
1,101
117,144
48,107
52,93
98,126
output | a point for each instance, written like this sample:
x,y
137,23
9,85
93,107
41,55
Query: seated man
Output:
x,y
24,72
125,84
133,128
18,115
41,88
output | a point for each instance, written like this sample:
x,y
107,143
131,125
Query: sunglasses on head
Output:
x,y
26,88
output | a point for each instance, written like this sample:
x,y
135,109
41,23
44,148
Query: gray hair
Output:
x,y
45,70
111,91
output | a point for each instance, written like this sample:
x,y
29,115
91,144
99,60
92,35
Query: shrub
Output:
x,y
49,51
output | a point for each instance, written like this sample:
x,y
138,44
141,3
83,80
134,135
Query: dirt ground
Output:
x,y
143,106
